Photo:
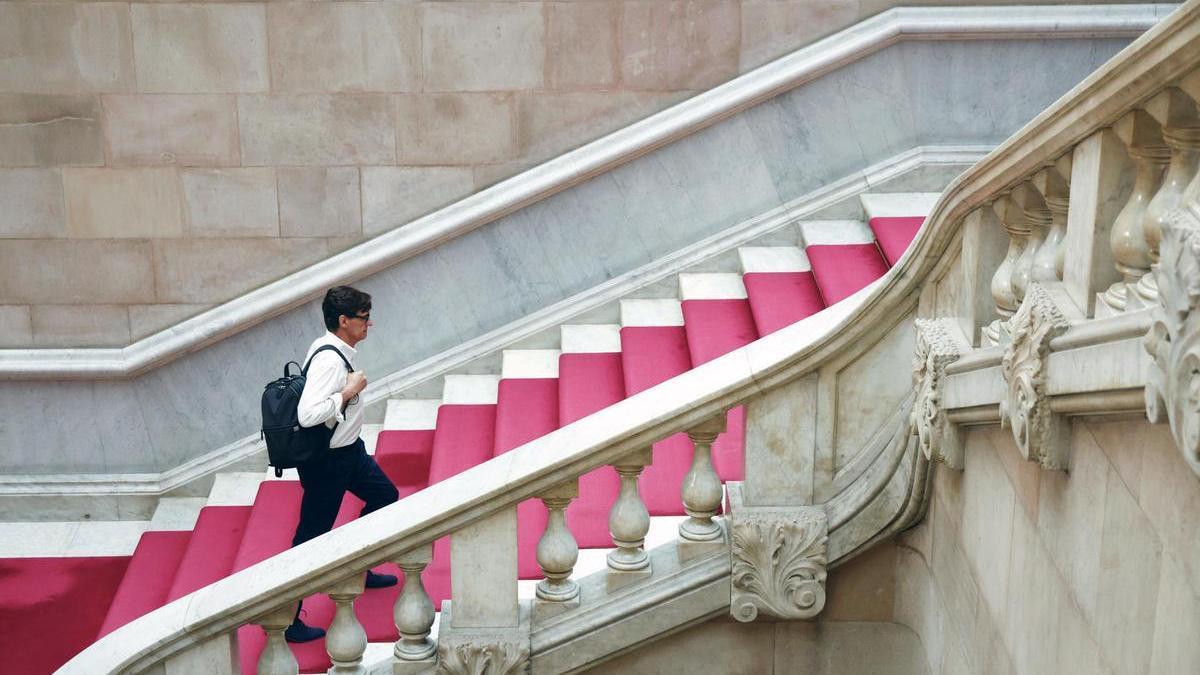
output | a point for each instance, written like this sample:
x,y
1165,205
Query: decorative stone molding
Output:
x,y
1173,383
483,656
1041,435
935,349
778,555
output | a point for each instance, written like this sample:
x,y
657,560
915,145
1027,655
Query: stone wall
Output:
x,y
157,159
1021,570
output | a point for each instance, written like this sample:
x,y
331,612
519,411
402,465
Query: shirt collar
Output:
x,y
340,344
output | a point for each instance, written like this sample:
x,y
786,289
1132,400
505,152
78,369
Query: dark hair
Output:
x,y
343,301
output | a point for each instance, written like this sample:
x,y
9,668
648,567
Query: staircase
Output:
x,y
250,517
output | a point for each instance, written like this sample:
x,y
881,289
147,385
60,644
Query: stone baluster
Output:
x,y
1131,254
276,658
1037,221
701,490
629,521
557,550
1003,291
414,613
1177,114
346,640
1053,184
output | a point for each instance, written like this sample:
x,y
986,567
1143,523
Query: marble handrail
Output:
x,y
604,154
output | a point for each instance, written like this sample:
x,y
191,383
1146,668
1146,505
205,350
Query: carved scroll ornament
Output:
x,y
1041,436
779,559
1173,385
934,351
483,657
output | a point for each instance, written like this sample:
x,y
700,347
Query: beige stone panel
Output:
x,y
1071,518
316,130
1170,498
345,46
1130,560
207,48
679,44
986,648
1026,477
550,124
948,483
16,326
45,130
172,129
1123,442
1177,623
581,45
454,128
772,28
1032,621
204,271
33,203
957,588
81,272
987,523
113,203
487,175
839,648
146,320
484,46
59,48
863,589
230,202
869,390
1076,649
395,195
917,604
80,326
717,646
319,202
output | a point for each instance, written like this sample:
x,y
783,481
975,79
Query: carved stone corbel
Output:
x,y
1173,383
483,656
1041,435
935,349
778,557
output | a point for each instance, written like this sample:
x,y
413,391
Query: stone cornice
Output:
x,y
604,154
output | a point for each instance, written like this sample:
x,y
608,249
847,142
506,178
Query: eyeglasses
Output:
x,y
364,317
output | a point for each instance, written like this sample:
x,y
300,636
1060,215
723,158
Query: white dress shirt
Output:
x,y
321,402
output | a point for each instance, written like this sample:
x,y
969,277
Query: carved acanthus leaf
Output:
x,y
935,350
1041,435
779,559
1173,387
483,657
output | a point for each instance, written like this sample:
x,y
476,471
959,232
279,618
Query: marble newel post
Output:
x,y
1006,290
1131,254
1177,114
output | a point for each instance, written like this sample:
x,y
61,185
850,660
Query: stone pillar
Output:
x,y
557,550
414,615
1177,114
629,521
483,572
701,490
1100,185
1131,254
483,651
346,640
276,658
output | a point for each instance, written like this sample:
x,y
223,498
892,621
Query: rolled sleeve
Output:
x,y
322,397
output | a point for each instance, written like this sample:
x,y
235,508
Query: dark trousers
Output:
x,y
326,481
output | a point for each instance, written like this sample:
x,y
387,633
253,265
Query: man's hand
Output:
x,y
355,383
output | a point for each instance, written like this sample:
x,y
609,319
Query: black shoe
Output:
x,y
302,632
380,580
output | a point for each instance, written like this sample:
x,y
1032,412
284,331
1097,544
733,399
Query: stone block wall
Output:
x,y
1021,570
157,159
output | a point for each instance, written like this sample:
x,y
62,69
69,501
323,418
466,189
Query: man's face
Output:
x,y
356,327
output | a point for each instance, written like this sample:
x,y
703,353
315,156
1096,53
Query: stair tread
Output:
x,y
211,548
780,299
894,234
526,409
842,270
588,383
147,579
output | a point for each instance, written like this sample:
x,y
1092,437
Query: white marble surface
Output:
x,y
470,389
70,539
711,286
234,489
177,513
591,338
773,259
824,232
651,313
529,363
411,413
898,204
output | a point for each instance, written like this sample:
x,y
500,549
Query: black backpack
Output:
x,y
289,444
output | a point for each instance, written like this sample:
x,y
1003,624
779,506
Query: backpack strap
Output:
x,y
324,348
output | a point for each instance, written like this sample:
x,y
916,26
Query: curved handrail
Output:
x,y
1164,53
558,174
